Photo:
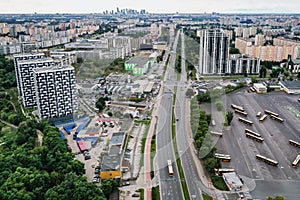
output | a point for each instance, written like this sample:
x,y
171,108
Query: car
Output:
x,y
97,170
126,183
135,195
87,157
96,179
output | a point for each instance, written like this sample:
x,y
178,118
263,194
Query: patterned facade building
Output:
x,y
55,91
26,82
19,57
214,52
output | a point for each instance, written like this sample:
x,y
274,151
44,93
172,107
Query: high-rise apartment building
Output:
x,y
214,52
55,90
26,82
19,57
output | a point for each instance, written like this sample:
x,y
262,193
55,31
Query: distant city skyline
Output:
x,y
154,6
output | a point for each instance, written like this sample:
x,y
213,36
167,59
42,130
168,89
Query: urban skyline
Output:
x,y
191,6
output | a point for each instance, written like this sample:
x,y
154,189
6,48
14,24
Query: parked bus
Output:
x,y
216,133
258,114
296,162
170,168
223,170
240,112
277,118
253,137
267,160
223,157
252,132
245,121
81,146
263,118
240,108
271,113
294,143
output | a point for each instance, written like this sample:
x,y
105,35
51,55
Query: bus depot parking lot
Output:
x,y
274,136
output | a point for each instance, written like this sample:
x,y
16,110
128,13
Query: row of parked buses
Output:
x,y
257,137
295,163
273,115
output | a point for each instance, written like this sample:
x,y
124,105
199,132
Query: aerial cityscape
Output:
x,y
149,100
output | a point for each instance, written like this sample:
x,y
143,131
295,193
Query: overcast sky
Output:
x,y
154,6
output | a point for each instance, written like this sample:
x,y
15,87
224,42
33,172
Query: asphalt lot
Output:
x,y
276,135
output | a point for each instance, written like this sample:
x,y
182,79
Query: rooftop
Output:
x,y
114,150
53,68
111,163
232,180
291,84
139,61
296,61
117,138
35,60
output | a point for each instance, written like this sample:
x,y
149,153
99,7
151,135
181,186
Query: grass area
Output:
x,y
13,93
155,193
206,197
194,115
142,192
219,183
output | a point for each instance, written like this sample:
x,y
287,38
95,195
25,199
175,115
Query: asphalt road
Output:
x,y
170,187
184,142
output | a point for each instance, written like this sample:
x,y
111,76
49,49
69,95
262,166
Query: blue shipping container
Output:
x,y
62,135
82,126
69,128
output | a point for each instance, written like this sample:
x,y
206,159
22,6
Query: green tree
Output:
x,y
279,198
219,105
211,164
233,50
229,117
263,72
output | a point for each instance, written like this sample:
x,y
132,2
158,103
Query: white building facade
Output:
x,y
214,52
56,94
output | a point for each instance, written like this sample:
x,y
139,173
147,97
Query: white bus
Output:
x,y
170,168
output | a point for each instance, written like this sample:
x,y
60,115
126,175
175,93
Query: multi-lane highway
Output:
x,y
170,187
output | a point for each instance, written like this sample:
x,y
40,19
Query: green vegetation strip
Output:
x,y
155,193
147,123
206,197
141,191
177,156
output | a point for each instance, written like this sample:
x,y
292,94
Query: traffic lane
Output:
x,y
165,152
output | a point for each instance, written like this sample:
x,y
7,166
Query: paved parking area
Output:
x,y
276,135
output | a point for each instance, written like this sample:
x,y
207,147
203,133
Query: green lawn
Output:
x,y
206,197
155,193
219,183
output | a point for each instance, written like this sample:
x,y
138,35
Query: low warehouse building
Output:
x,y
232,181
290,87
260,88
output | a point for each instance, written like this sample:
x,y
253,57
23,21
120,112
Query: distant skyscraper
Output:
x,y
55,92
214,52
